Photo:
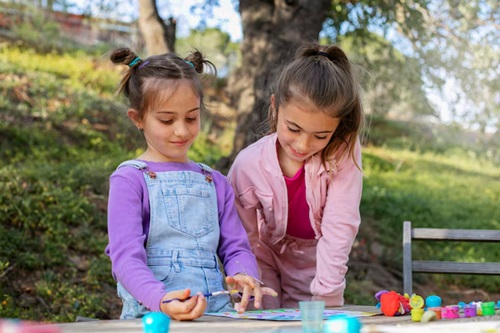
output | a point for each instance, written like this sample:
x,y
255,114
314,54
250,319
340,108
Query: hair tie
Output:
x,y
320,53
135,61
144,64
190,63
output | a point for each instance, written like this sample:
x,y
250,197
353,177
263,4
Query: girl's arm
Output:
x,y
127,238
234,248
340,225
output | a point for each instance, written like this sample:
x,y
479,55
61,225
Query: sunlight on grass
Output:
x,y
80,71
430,190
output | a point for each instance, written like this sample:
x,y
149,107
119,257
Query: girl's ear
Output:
x,y
272,101
133,114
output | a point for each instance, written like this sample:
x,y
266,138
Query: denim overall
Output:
x,y
183,236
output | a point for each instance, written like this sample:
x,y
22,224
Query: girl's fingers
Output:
x,y
180,294
247,292
268,291
231,282
181,308
197,310
257,292
201,306
249,288
190,309
239,281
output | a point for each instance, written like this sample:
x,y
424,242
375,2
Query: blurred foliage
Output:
x,y
391,81
215,44
453,46
422,135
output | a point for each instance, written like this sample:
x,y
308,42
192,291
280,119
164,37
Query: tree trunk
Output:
x,y
158,35
272,31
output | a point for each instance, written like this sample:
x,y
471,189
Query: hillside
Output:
x,y
62,133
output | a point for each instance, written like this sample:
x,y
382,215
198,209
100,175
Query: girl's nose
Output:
x,y
181,130
303,144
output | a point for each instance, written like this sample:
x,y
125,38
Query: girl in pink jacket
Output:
x,y
298,189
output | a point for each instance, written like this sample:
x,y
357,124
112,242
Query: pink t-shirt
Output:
x,y
298,224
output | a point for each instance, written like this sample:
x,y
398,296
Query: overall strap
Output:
x,y
134,163
206,171
205,167
139,165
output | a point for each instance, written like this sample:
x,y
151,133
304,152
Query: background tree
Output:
x,y
159,36
272,30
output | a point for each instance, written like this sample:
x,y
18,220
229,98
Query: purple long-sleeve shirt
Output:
x,y
128,226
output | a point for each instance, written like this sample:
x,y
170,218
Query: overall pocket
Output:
x,y
190,210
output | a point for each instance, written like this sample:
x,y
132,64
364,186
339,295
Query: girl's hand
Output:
x,y
186,307
248,286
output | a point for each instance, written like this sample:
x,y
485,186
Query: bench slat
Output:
x,y
475,268
456,234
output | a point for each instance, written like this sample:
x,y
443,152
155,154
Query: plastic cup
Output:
x,y
470,310
312,316
488,308
416,314
450,312
437,310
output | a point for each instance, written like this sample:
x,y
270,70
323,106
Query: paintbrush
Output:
x,y
213,294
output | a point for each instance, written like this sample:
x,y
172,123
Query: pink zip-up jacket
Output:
x,y
333,196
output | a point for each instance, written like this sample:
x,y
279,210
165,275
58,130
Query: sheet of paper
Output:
x,y
286,314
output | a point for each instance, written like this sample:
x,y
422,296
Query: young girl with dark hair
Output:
x,y
298,189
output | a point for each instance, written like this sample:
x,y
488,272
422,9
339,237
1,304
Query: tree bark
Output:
x,y
159,36
272,31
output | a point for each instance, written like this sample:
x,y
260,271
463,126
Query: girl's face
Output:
x,y
303,130
171,129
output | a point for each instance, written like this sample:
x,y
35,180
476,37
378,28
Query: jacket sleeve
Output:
x,y
339,226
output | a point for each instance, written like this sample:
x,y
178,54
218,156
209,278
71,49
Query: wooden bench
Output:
x,y
447,267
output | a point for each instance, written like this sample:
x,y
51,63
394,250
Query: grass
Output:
x,y
431,190
62,133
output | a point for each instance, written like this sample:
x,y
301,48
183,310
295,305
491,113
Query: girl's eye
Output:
x,y
293,130
190,120
167,122
320,137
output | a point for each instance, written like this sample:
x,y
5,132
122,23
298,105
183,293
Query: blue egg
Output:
x,y
156,322
342,323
